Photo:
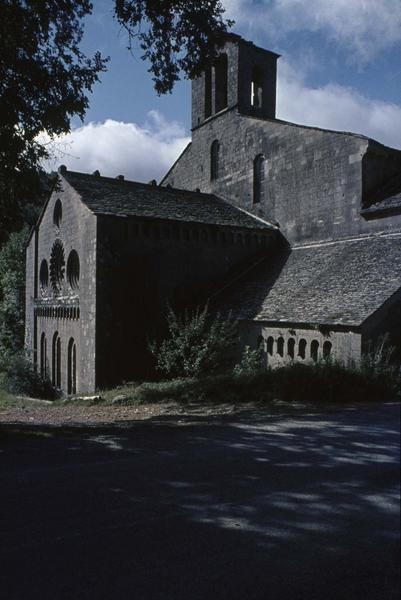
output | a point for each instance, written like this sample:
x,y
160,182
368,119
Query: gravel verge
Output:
x,y
41,412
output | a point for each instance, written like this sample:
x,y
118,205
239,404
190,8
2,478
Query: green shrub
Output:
x,y
197,344
326,381
379,357
321,382
253,361
17,376
216,388
12,292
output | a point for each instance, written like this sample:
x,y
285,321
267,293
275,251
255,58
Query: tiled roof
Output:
x,y
120,198
333,283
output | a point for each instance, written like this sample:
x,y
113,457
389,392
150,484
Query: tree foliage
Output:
x,y
12,292
176,36
45,77
253,361
197,344
44,80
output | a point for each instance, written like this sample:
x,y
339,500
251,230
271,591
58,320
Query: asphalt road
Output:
x,y
296,504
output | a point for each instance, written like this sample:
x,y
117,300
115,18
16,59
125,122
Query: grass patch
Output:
x,y
6,400
322,382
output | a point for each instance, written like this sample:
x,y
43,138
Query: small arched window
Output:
x,y
43,356
260,342
72,367
208,92
291,347
214,160
258,178
314,349
58,213
269,345
220,82
44,276
73,269
327,347
56,361
302,348
280,346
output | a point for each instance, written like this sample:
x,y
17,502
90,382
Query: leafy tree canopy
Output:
x,y
176,36
198,343
12,292
44,80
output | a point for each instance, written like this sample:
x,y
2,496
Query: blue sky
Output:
x,y
340,69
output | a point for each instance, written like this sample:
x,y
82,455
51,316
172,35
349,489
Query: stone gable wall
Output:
x,y
71,313
313,178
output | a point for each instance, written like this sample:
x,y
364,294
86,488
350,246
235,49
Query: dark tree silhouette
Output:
x,y
177,37
44,80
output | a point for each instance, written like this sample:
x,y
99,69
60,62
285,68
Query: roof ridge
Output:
x,y
249,214
124,198
358,238
152,186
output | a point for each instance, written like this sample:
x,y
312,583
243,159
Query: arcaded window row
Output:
x,y
56,362
302,351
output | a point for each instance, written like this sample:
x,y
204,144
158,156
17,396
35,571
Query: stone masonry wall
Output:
x,y
313,178
71,312
345,345
146,264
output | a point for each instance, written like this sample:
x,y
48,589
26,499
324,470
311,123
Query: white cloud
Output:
x,y
139,152
363,26
146,152
336,107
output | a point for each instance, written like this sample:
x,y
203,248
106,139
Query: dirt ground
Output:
x,y
42,412
282,501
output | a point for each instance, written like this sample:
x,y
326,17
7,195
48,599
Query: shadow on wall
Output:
x,y
260,278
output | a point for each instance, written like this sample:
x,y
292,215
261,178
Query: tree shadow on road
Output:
x,y
299,503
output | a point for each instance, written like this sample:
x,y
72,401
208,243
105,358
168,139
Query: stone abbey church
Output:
x,y
294,230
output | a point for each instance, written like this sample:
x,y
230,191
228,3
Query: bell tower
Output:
x,y
243,77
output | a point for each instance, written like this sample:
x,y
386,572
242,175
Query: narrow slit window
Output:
x,y
302,348
291,347
214,160
258,179
208,92
220,82
314,349
327,347
56,361
257,88
72,367
43,356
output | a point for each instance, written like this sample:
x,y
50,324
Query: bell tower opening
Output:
x,y
242,76
257,88
220,82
